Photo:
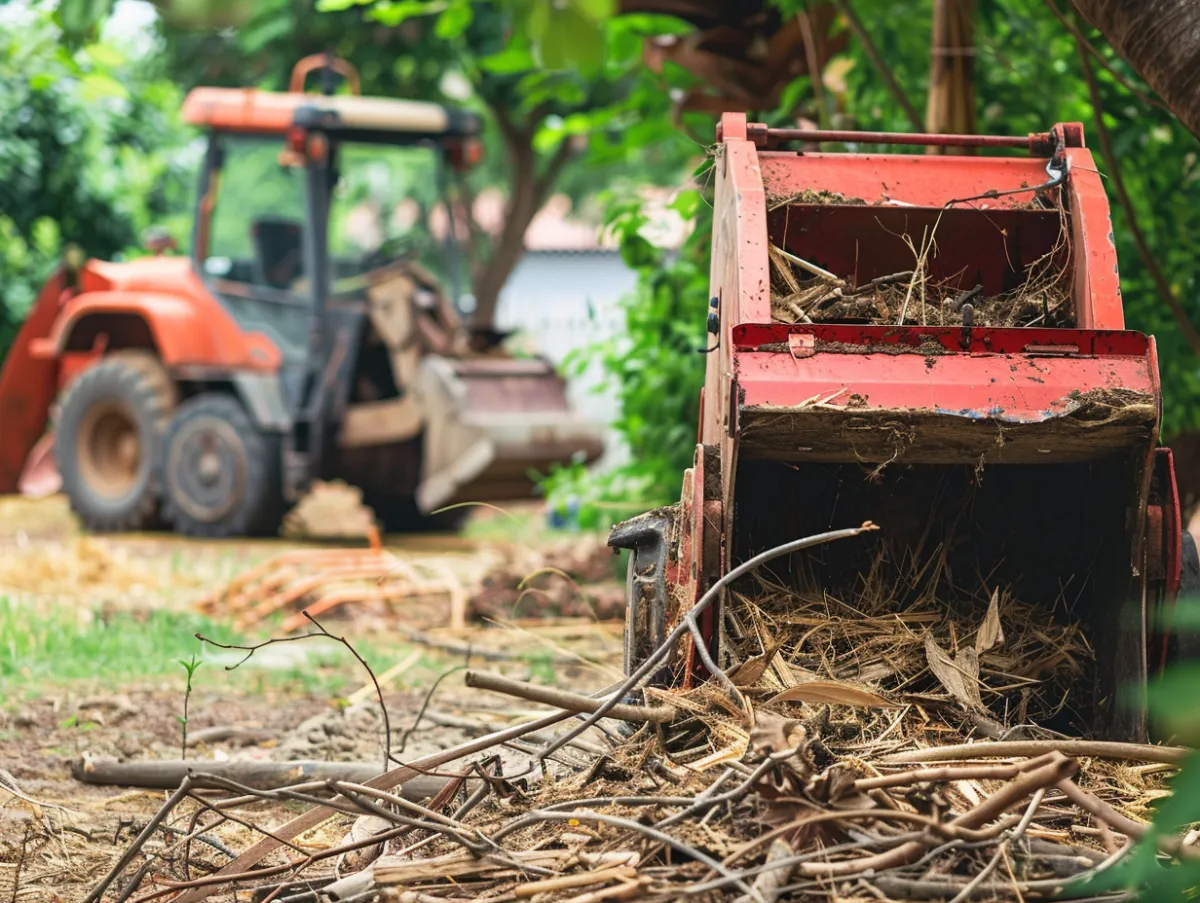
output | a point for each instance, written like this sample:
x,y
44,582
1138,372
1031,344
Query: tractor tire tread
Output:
x,y
147,387
261,509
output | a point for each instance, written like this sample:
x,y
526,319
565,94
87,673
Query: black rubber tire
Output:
x,y
399,514
128,386
246,499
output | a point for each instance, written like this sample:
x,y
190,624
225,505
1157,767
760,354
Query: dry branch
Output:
x,y
564,699
167,774
1102,749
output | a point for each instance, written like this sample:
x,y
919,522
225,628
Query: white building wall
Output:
x,y
561,302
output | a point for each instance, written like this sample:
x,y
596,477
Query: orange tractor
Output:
x,y
292,344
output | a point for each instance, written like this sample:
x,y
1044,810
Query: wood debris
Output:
x,y
845,763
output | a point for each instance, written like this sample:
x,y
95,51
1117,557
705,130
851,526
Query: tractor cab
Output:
x,y
310,199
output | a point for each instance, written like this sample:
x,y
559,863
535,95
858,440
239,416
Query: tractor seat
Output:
x,y
278,251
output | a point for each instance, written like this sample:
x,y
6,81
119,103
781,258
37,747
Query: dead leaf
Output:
x,y
836,784
834,692
752,669
959,674
773,733
990,632
364,828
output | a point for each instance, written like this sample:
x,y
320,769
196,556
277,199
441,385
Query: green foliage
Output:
x,y
91,154
189,668
1155,877
40,646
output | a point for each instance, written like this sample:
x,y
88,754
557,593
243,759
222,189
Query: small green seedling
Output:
x,y
189,667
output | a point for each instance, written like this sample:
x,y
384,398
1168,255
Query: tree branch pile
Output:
x,y
783,778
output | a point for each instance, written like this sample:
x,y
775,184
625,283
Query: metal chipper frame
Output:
x,y
1049,434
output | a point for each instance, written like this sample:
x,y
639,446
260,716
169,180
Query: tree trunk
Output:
x,y
951,104
528,190
509,245
1160,39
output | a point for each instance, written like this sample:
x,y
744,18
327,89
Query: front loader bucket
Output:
x,y
492,425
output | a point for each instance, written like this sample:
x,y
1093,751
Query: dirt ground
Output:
x,y
294,701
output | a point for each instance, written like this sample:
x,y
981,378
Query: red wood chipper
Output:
x,y
935,344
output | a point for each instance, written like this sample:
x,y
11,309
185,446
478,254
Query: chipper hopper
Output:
x,y
935,344
291,344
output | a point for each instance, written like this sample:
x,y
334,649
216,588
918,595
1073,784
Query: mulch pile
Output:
x,y
852,748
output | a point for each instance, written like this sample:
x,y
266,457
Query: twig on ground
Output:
x,y
21,861
316,816
564,699
147,832
322,632
487,655
577,815
428,697
1003,749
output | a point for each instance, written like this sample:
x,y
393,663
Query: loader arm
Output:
x,y
28,384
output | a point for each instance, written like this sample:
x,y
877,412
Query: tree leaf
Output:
x,y
509,61
1175,704
573,41
98,85
596,10
834,692
749,671
1182,807
774,733
990,632
392,14
456,19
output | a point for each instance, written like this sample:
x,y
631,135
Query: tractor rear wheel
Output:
x,y
108,440
220,472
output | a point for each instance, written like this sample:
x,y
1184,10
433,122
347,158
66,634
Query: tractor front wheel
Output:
x,y
220,472
108,439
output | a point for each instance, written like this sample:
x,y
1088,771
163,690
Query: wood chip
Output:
x,y
990,634
958,674
834,692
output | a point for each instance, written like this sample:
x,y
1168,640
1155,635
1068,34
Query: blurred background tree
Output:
x,y
91,152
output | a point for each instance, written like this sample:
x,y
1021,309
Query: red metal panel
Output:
x,y
27,385
904,179
1010,387
930,139
891,339
1172,522
1097,281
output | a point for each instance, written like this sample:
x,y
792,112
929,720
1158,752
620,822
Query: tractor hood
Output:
x,y
145,274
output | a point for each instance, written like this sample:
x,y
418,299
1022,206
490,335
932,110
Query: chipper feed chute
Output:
x,y
935,344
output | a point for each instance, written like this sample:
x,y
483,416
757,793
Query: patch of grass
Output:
x,y
44,646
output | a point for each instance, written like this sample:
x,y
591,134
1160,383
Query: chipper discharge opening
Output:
x,y
935,344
